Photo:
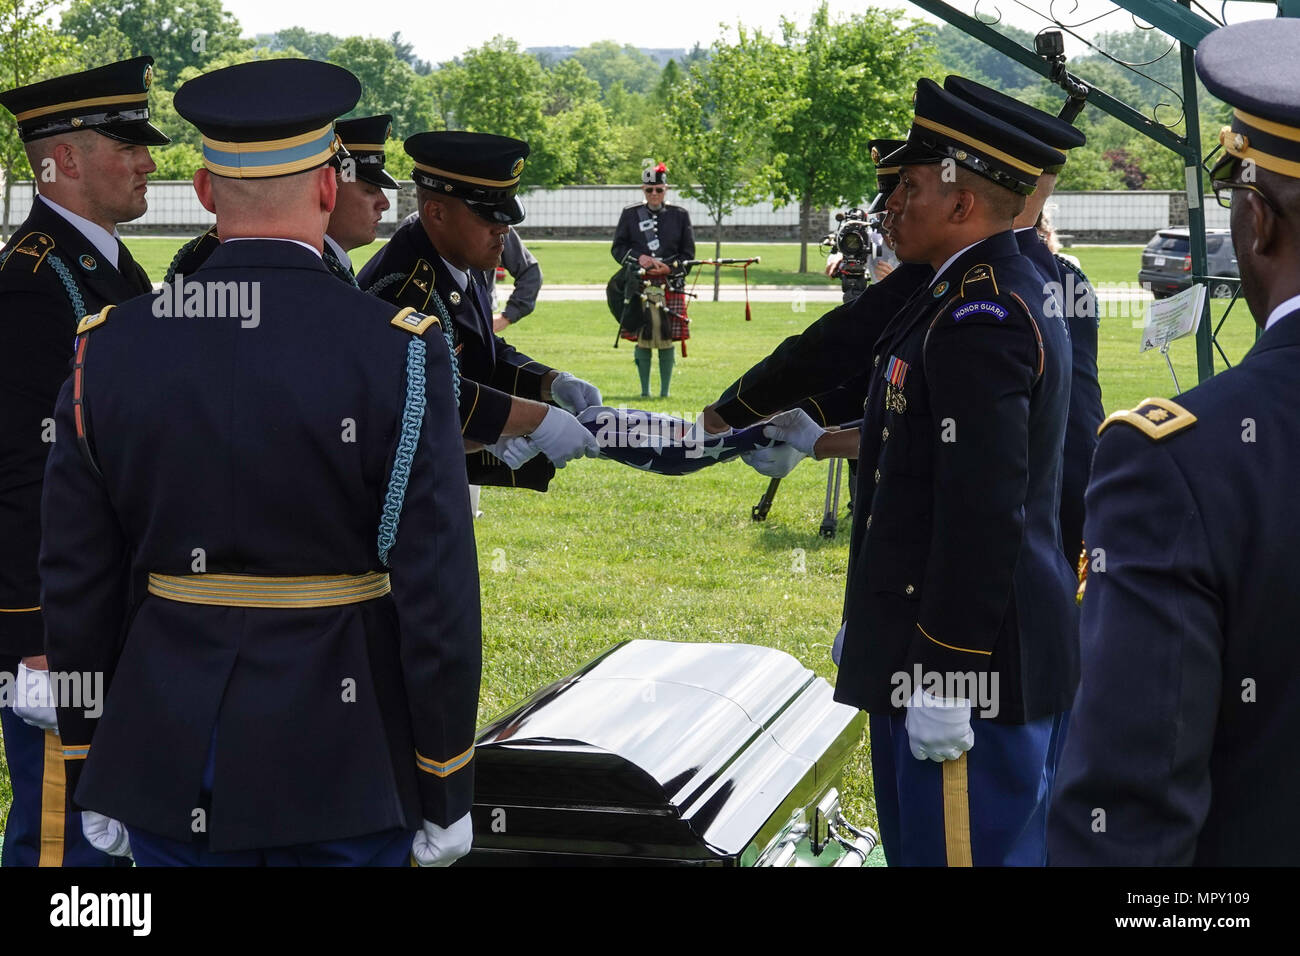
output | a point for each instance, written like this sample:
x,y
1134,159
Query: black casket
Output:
x,y
660,752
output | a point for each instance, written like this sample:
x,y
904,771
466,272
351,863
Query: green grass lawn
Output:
x,y
611,553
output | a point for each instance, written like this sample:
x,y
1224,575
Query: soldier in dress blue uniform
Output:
x,y
298,684
1184,726
656,234
90,130
465,189
960,623
1077,298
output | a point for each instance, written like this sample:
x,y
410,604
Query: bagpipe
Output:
x,y
632,291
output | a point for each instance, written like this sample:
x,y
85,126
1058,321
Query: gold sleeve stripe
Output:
x,y
444,768
19,610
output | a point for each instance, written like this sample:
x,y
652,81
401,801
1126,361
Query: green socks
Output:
x,y
667,358
642,358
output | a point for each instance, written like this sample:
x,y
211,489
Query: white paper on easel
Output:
x,y
1174,317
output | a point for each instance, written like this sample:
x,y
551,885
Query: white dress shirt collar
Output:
x,y
297,242
460,275
105,242
953,258
1285,309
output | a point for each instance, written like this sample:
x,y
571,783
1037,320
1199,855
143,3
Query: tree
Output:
x,y
607,63
388,84
496,88
406,53
717,127
176,33
845,83
31,52
313,46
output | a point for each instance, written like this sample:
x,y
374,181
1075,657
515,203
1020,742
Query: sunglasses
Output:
x,y
654,189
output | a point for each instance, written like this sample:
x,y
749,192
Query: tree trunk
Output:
x,y
717,253
805,210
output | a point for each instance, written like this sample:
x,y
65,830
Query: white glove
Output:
x,y
837,645
795,428
938,728
515,451
105,834
562,438
573,394
37,699
435,846
775,462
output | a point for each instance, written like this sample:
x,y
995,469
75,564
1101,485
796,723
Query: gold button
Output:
x,y
877,360
909,589
884,434
877,476
868,521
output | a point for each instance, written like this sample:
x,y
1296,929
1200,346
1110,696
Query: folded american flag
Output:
x,y
665,444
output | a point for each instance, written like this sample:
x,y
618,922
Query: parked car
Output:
x,y
1167,263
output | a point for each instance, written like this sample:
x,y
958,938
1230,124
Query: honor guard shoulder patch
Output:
x,y
983,306
1157,418
408,320
34,246
94,321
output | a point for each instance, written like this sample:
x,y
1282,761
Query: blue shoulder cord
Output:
x,y
412,421
69,285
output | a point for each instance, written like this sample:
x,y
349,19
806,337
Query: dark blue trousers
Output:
x,y
41,830
384,848
987,809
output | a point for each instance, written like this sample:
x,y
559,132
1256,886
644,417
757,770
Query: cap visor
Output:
x,y
137,134
507,212
378,178
912,154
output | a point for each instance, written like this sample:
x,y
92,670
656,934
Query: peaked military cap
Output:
x,y
1043,126
113,100
268,118
654,174
948,127
1253,68
481,168
886,173
364,139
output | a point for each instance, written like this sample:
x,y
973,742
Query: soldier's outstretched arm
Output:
x,y
1133,786
434,571
982,360
84,568
831,351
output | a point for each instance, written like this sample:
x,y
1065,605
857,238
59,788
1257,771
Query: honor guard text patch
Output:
x,y
984,307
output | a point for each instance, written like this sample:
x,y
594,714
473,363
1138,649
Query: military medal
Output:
x,y
895,374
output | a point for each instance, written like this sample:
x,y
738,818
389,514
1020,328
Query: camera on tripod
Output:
x,y
854,242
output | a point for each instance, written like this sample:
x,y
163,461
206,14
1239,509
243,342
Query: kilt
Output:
x,y
666,325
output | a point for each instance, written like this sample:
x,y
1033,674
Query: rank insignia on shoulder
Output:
x,y
408,320
940,289
94,321
982,307
978,275
1157,418
37,245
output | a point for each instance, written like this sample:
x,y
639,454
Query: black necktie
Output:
x,y
130,270
484,309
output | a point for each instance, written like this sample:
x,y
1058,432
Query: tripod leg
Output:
x,y
760,510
